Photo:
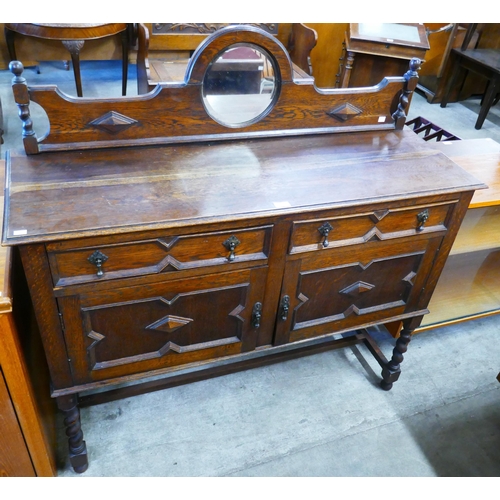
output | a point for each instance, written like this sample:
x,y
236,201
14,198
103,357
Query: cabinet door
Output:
x,y
126,330
343,289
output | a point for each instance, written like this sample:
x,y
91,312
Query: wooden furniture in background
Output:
x,y
27,415
328,47
469,287
483,62
300,45
374,51
151,71
255,226
434,74
73,37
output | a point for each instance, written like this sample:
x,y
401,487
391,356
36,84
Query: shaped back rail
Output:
x,y
175,112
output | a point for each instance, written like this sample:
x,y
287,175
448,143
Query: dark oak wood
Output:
x,y
297,108
183,261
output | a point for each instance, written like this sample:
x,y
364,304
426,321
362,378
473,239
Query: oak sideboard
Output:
x,y
165,239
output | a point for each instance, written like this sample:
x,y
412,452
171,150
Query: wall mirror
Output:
x,y
240,85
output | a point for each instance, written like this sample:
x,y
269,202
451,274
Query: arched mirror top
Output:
x,y
229,36
181,111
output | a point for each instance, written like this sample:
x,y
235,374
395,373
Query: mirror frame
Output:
x,y
261,114
174,113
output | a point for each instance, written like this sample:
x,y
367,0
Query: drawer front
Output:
x,y
145,328
383,224
354,287
159,255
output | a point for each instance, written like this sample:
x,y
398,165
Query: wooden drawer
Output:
x,y
172,253
354,229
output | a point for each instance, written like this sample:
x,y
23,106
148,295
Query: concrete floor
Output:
x,y
319,416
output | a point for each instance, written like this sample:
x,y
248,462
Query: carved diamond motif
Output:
x,y
344,112
378,215
357,289
169,323
113,122
409,278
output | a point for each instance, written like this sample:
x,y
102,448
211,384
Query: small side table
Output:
x,y
73,37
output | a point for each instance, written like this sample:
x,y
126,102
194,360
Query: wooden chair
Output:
x,y
484,62
302,40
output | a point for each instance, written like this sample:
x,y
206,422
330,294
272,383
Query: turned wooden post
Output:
x,y
392,370
22,98
77,447
411,80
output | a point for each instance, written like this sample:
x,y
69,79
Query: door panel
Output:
x,y
345,289
133,329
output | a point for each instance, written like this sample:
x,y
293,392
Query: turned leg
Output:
x,y
74,47
392,370
125,50
77,448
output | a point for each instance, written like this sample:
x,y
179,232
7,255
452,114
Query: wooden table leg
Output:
x,y
125,50
74,47
77,447
457,72
392,370
488,100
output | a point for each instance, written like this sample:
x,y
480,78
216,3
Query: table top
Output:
x,y
481,158
65,195
67,31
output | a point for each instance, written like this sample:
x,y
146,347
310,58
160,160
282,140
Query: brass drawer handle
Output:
x,y
324,230
422,218
231,243
98,259
256,314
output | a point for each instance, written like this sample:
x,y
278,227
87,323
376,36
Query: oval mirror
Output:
x,y
240,86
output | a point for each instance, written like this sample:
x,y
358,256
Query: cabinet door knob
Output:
x,y
256,314
324,230
422,219
231,243
98,259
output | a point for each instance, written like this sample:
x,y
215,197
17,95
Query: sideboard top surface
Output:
x,y
64,195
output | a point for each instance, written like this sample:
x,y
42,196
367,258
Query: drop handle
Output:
x,y
422,218
256,314
98,259
284,307
231,243
324,230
